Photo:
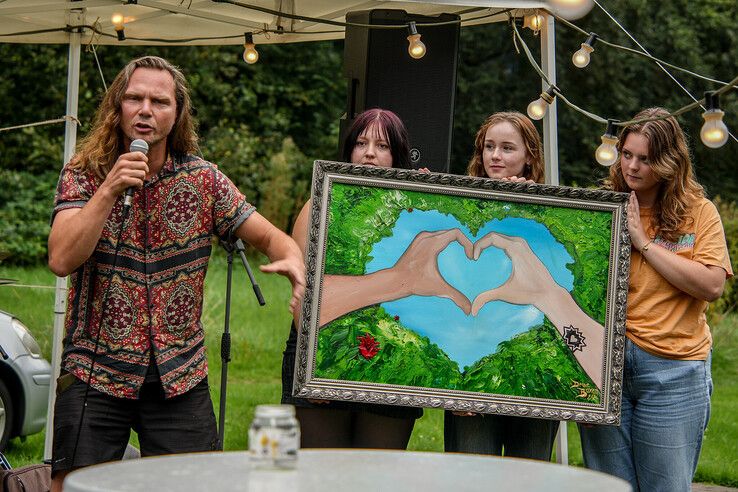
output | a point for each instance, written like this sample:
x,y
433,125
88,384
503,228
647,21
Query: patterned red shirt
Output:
x,y
155,299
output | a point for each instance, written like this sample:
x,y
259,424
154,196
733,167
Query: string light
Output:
x,y
416,48
118,21
250,55
537,109
689,107
580,58
534,22
607,153
571,9
714,133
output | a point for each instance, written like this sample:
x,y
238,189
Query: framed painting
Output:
x,y
468,294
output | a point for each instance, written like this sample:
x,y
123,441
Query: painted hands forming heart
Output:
x,y
416,272
527,284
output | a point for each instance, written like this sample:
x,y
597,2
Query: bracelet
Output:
x,y
645,246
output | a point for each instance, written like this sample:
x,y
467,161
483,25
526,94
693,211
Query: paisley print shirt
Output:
x,y
148,303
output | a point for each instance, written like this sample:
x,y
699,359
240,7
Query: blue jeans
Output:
x,y
665,409
518,437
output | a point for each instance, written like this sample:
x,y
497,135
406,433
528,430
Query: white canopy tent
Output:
x,y
224,22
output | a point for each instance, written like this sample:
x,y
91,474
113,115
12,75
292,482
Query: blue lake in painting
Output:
x,y
466,339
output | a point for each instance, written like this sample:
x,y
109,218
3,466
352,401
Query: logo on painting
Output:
x,y
574,338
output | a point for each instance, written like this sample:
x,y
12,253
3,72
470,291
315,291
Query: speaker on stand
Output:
x,y
381,74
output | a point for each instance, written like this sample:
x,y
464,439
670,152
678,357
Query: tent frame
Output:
x,y
76,17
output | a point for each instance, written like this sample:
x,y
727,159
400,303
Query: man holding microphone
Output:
x,y
134,229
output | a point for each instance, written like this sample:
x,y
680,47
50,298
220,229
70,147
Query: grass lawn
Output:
x,y
254,374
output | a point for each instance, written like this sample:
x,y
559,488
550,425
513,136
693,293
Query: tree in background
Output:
x,y
264,124
250,116
697,35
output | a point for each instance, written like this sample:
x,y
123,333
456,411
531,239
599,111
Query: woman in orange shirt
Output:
x,y
679,264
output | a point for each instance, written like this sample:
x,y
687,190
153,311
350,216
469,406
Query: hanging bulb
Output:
x,y
416,48
607,153
118,21
537,109
580,58
571,9
250,55
714,133
534,22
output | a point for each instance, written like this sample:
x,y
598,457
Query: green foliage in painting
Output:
x,y
534,364
359,216
403,356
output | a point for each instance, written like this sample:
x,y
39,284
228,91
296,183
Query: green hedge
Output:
x,y
729,300
27,200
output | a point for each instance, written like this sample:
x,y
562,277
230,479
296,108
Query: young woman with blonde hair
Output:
x,y
679,263
507,146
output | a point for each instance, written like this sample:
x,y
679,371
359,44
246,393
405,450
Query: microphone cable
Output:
x,y
126,211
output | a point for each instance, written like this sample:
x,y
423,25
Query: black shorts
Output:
x,y
181,424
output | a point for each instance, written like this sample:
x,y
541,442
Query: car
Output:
x,y
25,378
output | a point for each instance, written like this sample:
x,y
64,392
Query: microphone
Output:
x,y
137,145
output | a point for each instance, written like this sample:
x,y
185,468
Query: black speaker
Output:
x,y
381,74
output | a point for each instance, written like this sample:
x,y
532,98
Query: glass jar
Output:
x,y
274,437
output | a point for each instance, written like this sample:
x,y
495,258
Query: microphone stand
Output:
x,y
225,341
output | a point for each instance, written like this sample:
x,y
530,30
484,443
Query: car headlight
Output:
x,y
27,339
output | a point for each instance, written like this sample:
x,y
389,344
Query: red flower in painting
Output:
x,y
368,346
397,318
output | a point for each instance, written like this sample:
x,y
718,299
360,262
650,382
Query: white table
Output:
x,y
338,470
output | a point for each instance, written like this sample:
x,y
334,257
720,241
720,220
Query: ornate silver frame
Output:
x,y
306,385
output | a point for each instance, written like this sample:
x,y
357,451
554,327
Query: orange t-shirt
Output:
x,y
662,319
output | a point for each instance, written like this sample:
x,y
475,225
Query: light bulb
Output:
x,y
607,153
571,9
118,20
416,48
250,55
537,109
580,58
714,133
534,22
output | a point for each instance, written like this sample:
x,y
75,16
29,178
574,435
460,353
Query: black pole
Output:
x,y
225,350
225,340
238,245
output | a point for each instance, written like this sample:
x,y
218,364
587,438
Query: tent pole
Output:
x,y
60,298
551,155
550,120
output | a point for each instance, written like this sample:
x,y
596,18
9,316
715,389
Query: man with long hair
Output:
x,y
134,355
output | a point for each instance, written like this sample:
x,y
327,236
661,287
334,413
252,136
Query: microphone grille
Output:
x,y
139,145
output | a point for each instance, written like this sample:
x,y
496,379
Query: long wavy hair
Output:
x,y
393,130
669,160
99,150
533,169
